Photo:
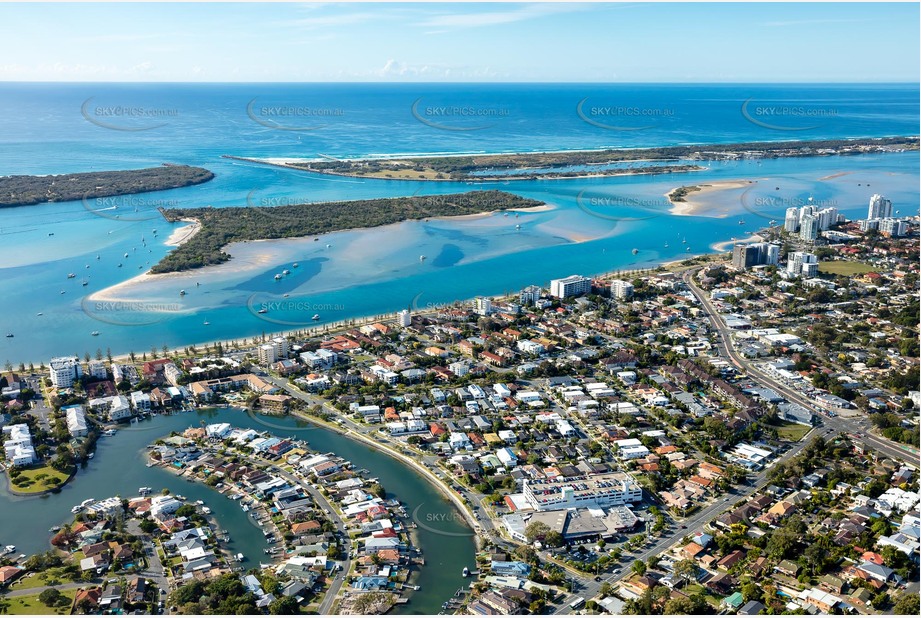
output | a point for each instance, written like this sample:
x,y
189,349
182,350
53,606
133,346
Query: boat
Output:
x,y
71,275
741,221
285,295
294,265
328,246
54,529
39,313
200,502
666,245
182,292
144,490
205,510
91,455
76,509
85,283
286,272
635,251
316,316
95,333
126,255
108,432
206,323
10,549
421,258
245,508
263,311
517,227
9,335
277,277
50,233
97,257
119,265
465,572
240,557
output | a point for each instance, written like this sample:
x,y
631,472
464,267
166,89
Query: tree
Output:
x,y
536,530
686,569
284,606
52,597
639,567
908,604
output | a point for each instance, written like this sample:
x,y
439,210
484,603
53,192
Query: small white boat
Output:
x,y
277,277
286,272
182,292
421,258
205,510
71,275
91,455
76,509
294,265
200,502
87,502
240,557
10,549
316,316
95,333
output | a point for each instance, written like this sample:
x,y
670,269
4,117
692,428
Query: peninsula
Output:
x,y
29,190
583,163
222,226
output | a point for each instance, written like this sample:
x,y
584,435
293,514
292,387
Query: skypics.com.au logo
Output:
x,y
621,117
620,208
292,117
128,118
129,312
457,117
786,117
127,207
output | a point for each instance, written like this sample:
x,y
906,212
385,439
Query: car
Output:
x,y
684,527
597,578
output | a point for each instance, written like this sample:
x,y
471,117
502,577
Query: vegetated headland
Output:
x,y
29,190
222,226
553,165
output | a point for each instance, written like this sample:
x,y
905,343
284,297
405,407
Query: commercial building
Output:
x,y
791,220
482,305
893,227
593,491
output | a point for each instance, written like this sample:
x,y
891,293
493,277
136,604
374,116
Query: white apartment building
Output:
x,y
880,207
573,285
64,371
802,264
76,421
621,289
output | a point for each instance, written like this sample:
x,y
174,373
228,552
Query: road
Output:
x,y
851,426
339,578
39,589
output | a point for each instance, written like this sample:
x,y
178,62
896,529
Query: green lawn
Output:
x,y
792,432
845,268
30,604
40,479
34,580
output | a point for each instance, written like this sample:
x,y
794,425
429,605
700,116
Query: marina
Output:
x,y
28,527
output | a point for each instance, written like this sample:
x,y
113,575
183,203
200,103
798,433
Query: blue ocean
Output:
x,y
592,225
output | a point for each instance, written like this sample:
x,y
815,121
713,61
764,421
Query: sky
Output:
x,y
456,42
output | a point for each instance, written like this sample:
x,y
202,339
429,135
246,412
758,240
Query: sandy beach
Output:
x,y
726,245
696,204
184,233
